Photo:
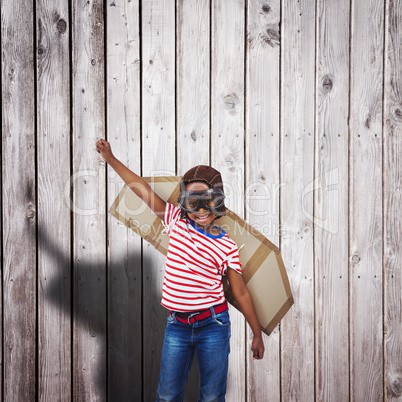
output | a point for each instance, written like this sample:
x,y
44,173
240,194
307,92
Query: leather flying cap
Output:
x,y
206,174
203,173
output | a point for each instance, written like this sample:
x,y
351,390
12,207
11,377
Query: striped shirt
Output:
x,y
195,263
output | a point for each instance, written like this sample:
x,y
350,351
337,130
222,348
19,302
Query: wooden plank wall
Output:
x,y
297,103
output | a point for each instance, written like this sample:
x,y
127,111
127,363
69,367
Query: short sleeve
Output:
x,y
172,215
232,261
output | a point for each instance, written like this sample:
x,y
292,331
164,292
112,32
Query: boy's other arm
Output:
x,y
136,183
245,302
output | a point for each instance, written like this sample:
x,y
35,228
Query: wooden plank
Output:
x,y
262,164
193,87
19,199
297,170
392,173
331,201
124,248
1,291
54,275
158,159
193,104
88,186
227,147
365,199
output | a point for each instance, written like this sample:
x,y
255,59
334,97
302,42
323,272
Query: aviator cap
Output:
x,y
203,173
206,174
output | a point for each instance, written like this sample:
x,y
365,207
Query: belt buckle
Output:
x,y
191,316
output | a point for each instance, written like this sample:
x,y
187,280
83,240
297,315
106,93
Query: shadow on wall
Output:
x,y
130,342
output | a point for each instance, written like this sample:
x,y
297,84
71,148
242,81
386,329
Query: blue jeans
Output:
x,y
209,338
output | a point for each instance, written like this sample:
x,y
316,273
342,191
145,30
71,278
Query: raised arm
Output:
x,y
245,302
136,183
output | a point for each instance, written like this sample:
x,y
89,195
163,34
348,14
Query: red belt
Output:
x,y
199,315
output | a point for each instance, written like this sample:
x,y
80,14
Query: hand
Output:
x,y
257,347
103,147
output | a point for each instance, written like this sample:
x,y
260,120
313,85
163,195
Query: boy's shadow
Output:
x,y
122,324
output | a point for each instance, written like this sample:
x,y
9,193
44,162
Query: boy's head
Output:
x,y
204,185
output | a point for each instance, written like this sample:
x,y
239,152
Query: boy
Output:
x,y
199,254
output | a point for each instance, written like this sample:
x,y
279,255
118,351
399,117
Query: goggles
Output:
x,y
210,200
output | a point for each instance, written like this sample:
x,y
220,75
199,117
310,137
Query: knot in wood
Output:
x,y
193,136
355,259
61,26
395,387
368,121
41,51
397,112
11,75
271,36
266,8
327,84
30,212
230,101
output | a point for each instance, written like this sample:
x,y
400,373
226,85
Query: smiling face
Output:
x,y
202,217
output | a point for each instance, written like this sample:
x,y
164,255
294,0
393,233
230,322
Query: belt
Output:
x,y
199,315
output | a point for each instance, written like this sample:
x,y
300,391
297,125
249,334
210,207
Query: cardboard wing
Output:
x,y
262,266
